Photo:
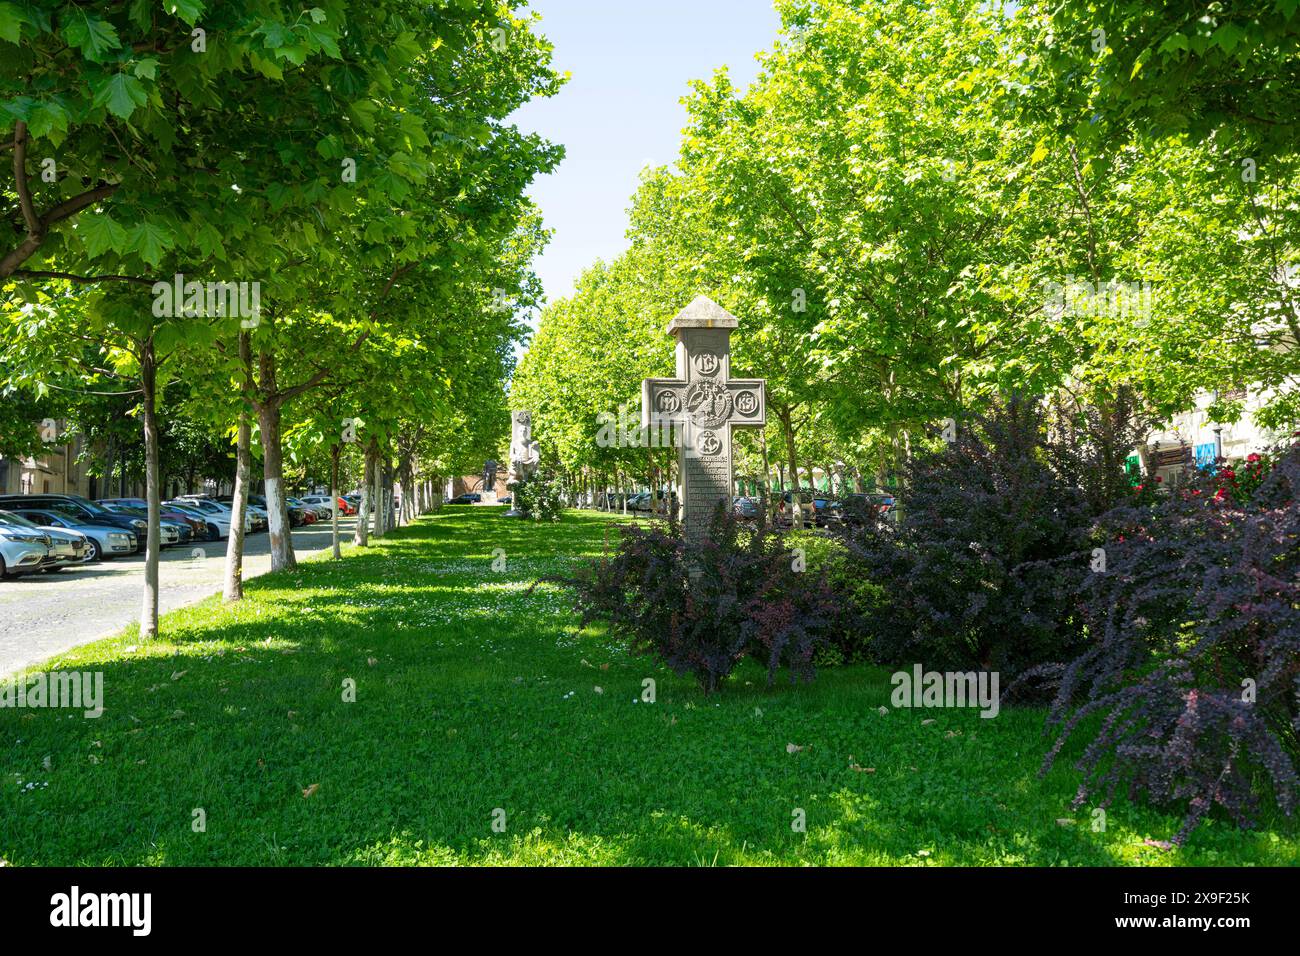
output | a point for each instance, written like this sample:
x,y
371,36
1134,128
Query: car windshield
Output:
x,y
17,521
88,505
67,509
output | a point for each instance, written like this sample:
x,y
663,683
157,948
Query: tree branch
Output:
x,y
77,203
20,180
83,280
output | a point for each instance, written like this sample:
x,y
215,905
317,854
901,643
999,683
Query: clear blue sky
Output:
x,y
630,63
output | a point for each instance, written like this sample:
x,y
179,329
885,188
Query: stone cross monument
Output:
x,y
706,403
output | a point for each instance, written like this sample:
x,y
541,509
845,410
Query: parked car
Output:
x,y
215,523
67,547
858,509
171,530
310,515
258,518
257,503
256,506
23,548
323,506
210,506
746,509
785,510
106,541
79,507
198,527
826,510
472,498
646,502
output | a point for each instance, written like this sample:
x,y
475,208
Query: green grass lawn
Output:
x,y
473,695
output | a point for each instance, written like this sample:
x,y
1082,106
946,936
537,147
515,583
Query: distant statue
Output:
x,y
524,454
489,475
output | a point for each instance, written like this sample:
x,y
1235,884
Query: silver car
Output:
x,y
105,540
67,547
23,549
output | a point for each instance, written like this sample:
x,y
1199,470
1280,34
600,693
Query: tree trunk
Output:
x,y
334,501
233,589
361,535
268,418
110,465
407,480
765,498
380,505
277,511
787,429
148,385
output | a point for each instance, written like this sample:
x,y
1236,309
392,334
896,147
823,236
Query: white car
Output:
x,y
321,503
23,548
216,512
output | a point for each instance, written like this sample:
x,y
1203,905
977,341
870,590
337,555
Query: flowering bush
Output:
x,y
1239,483
538,497
1194,655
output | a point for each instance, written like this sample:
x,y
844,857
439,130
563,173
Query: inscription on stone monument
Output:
x,y
706,403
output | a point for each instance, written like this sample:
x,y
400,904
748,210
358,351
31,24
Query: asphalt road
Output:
x,y
46,614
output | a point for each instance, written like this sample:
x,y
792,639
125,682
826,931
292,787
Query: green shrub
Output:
x,y
538,496
827,556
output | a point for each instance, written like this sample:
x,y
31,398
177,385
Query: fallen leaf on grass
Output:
x,y
882,711
1158,844
372,661
927,722
853,765
1065,822
953,733
177,675
310,790
793,748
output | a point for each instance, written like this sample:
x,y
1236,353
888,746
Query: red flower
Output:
x,y
1252,457
1158,478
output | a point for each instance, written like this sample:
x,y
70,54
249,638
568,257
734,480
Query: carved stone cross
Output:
x,y
706,403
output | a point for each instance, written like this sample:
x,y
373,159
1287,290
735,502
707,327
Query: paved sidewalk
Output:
x,y
46,614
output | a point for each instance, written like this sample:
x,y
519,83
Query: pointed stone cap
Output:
x,y
703,313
